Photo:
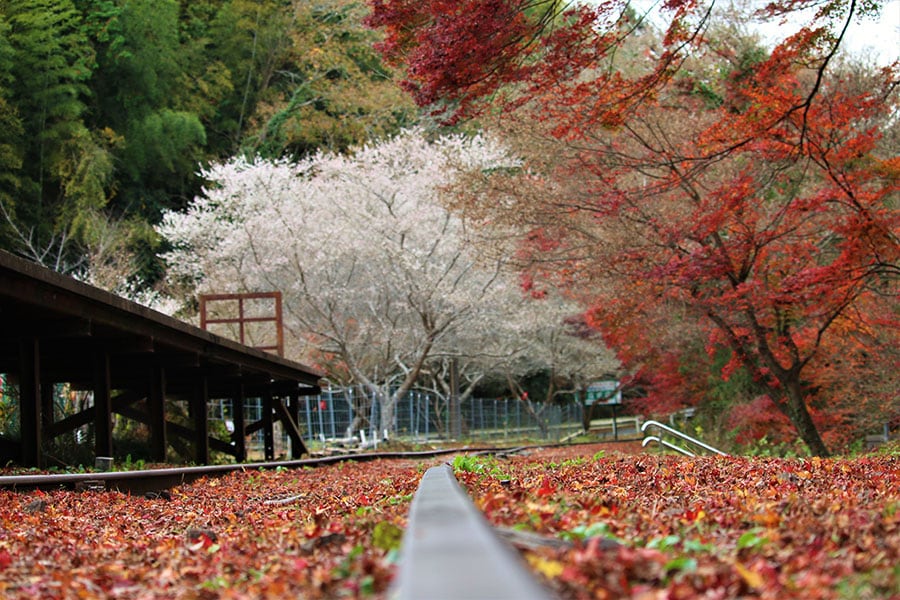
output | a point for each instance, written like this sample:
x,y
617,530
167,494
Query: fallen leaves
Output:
x,y
325,533
674,527
592,525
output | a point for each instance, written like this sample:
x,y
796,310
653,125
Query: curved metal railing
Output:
x,y
678,434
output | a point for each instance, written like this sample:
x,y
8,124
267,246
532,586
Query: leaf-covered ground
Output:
x,y
316,533
672,527
594,524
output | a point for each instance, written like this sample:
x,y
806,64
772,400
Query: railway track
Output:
x,y
449,549
154,480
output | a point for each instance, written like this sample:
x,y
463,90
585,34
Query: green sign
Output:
x,y
603,392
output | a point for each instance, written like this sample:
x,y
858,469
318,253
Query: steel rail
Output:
x,y
149,480
450,551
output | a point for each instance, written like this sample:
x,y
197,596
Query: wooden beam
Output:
x,y
281,388
119,402
46,328
298,448
178,430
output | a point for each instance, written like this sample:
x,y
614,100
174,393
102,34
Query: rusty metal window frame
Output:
x,y
241,320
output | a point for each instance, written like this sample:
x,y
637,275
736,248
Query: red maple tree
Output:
x,y
759,205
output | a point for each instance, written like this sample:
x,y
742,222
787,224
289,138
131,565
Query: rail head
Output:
x,y
450,552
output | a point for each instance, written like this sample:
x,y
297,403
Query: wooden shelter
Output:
x,y
55,329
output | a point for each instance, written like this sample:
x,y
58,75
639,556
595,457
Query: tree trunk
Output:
x,y
587,415
794,407
388,410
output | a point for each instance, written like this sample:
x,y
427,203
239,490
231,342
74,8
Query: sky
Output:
x,y
879,40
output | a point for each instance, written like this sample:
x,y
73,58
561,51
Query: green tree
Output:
x,y
247,42
334,91
11,142
108,107
66,169
141,100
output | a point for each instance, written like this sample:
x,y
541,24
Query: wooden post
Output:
x,y
298,448
268,425
102,405
455,408
289,421
240,425
30,402
47,390
199,402
156,405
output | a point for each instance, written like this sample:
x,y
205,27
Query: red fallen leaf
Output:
x,y
547,488
692,516
201,538
5,559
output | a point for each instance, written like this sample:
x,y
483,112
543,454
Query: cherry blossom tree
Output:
x,y
377,275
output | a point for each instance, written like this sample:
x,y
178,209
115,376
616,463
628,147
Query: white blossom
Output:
x,y
374,270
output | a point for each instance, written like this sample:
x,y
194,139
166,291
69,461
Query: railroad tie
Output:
x,y
450,551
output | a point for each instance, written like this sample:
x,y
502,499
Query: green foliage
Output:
x,y
570,462
52,62
387,536
869,585
131,465
11,141
335,92
766,448
585,532
162,143
481,465
752,539
681,564
111,107
664,543
87,173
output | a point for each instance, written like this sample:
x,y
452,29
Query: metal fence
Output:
x,y
350,417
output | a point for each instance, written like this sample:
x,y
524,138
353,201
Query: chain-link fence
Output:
x,y
350,417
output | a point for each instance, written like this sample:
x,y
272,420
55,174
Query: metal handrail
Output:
x,y
662,442
680,435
